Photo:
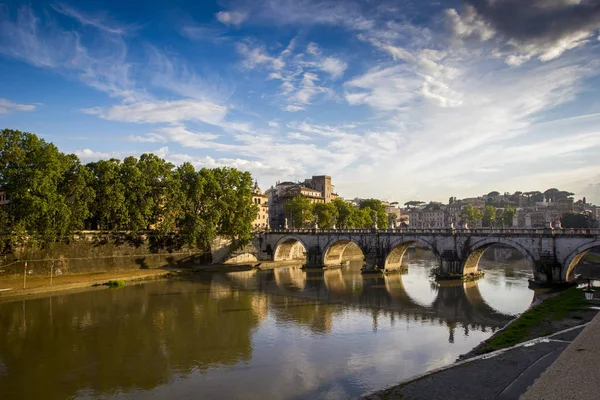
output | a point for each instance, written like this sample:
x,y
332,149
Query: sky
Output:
x,y
397,100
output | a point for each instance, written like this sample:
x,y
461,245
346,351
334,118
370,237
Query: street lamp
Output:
x,y
589,292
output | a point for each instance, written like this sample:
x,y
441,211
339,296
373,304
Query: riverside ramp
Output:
x,y
575,374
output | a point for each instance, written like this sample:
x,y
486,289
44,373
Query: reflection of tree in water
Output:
x,y
119,340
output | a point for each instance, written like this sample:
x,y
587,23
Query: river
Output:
x,y
278,334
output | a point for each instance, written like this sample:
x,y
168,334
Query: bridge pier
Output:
x,y
314,257
375,257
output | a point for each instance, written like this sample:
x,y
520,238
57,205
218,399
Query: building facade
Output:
x,y
317,189
262,201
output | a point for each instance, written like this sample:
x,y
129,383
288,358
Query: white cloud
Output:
x,y
231,17
298,136
293,108
7,106
100,21
469,24
148,138
163,112
334,67
188,138
257,56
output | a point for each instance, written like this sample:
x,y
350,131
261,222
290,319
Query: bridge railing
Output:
x,y
446,231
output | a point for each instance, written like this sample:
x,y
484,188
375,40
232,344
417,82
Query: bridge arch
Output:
x,y
398,248
338,251
290,248
476,250
574,257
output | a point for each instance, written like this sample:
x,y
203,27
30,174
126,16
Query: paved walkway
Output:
x,y
575,374
501,375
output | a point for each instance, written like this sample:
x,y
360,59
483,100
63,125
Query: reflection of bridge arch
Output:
x,y
398,249
574,257
476,250
454,303
290,248
337,251
290,277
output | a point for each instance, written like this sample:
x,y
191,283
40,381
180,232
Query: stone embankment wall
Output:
x,y
91,251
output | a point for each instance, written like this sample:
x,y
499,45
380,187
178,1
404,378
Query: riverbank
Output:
x,y
506,364
41,285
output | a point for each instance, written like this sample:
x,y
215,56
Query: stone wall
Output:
x,y
90,252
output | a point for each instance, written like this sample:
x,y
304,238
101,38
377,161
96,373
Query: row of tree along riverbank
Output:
x,y
52,194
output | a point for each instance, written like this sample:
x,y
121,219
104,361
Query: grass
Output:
x,y
554,308
115,283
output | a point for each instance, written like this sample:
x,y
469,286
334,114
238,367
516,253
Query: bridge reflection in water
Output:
x,y
394,296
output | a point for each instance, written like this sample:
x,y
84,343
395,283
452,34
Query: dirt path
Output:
x,y
13,287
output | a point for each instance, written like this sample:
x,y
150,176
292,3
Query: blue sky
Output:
x,y
398,100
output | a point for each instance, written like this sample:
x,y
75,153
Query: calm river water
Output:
x,y
282,334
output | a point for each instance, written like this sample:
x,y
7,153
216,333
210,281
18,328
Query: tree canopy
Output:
x,y
52,194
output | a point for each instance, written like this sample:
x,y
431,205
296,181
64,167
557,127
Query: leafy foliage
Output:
x,y
300,211
52,194
471,214
374,206
575,220
489,216
507,215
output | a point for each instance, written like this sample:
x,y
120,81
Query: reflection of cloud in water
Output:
x,y
417,281
505,285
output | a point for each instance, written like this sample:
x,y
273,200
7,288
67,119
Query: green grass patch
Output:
x,y
115,283
554,308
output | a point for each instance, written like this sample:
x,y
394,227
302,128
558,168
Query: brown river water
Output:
x,y
278,334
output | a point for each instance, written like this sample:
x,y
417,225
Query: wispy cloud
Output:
x,y
173,112
43,43
7,106
101,21
254,57
234,18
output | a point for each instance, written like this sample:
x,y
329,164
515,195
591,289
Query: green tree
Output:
x,y
575,220
326,214
489,216
35,174
413,203
163,192
471,214
345,214
507,215
376,207
138,204
199,215
392,218
234,200
299,211
109,210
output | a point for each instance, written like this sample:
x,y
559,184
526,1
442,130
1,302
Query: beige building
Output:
x,y
262,201
317,189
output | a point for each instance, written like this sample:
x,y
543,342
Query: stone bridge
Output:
x,y
553,253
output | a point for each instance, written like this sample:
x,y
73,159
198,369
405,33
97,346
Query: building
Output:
x,y
262,218
317,189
